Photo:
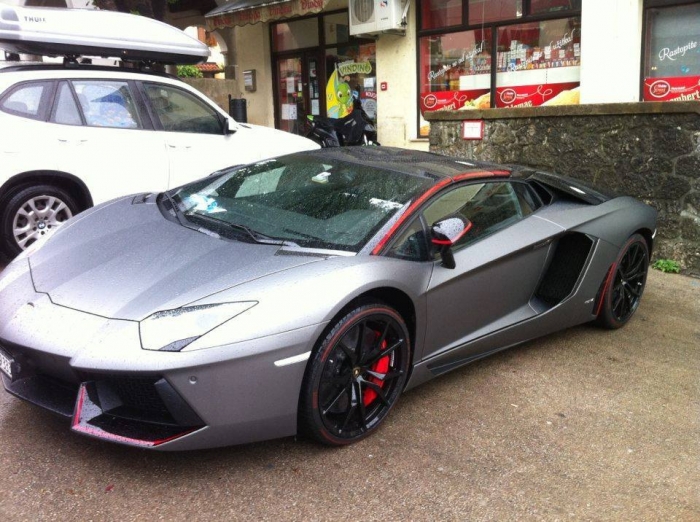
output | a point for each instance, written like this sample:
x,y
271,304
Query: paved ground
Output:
x,y
581,425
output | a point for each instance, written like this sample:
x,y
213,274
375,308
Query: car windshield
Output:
x,y
310,201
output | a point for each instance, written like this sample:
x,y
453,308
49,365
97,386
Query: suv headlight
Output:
x,y
172,330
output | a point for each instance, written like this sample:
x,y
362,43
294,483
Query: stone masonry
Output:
x,y
647,150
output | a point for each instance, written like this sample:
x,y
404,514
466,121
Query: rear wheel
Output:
x,y
32,213
355,375
628,278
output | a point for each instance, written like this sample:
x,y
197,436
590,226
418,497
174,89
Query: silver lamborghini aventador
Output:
x,y
306,293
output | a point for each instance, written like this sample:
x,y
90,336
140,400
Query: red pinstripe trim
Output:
x,y
450,243
79,427
606,287
429,193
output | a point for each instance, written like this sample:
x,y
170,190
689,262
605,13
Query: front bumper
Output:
x,y
92,370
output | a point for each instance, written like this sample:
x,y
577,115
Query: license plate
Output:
x,y
6,364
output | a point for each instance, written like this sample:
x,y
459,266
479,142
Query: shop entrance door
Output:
x,y
298,91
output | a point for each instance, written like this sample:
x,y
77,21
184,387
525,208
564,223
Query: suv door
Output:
x,y
107,141
193,133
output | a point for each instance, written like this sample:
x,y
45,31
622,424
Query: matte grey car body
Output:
x,y
73,312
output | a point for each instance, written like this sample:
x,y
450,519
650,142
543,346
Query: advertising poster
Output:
x,y
537,95
347,77
455,100
681,88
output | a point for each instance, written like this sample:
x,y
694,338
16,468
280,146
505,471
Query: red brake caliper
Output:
x,y
381,366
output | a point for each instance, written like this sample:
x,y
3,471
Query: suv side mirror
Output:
x,y
227,127
446,233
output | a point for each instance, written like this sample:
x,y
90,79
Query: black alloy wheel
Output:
x,y
626,285
355,375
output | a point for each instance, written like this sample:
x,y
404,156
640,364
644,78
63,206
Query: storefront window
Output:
x,y
336,28
295,35
539,64
455,72
352,74
552,6
321,80
672,54
484,11
535,61
436,14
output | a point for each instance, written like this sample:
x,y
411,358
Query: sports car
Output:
x,y
305,293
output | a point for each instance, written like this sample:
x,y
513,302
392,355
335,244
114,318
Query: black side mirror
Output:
x,y
446,233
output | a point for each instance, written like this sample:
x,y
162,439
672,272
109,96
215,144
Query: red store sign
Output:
x,y
681,88
536,95
452,100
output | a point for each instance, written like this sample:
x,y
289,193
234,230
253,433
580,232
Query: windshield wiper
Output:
x,y
179,215
252,234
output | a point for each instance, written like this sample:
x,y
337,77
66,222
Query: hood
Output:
x,y
249,137
127,261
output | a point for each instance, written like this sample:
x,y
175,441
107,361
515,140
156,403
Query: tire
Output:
x,y
627,279
32,213
355,375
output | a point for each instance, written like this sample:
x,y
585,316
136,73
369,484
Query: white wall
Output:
x,y
611,46
252,48
397,107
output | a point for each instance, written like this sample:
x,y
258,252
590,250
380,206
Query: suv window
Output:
x,y
66,110
181,111
25,100
107,103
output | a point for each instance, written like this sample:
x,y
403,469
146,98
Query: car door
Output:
x,y
192,130
499,263
105,140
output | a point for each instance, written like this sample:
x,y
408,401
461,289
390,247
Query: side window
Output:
x,y
489,206
181,111
411,244
107,103
25,101
66,110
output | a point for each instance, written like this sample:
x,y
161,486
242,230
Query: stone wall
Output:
x,y
647,150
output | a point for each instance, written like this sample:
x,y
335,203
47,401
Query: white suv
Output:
x,y
75,136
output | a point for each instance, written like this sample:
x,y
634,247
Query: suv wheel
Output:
x,y
33,213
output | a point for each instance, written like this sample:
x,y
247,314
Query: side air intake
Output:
x,y
569,259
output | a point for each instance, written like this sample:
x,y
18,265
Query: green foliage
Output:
x,y
188,71
667,265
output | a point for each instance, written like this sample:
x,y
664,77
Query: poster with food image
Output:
x,y
455,100
679,88
537,95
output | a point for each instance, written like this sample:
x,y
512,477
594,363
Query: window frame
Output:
x,y
46,99
648,6
429,248
527,17
155,119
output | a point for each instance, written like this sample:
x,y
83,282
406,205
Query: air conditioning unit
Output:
x,y
371,17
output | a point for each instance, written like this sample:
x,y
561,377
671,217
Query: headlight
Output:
x,y
172,330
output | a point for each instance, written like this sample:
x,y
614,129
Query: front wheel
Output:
x,y
33,213
355,375
624,289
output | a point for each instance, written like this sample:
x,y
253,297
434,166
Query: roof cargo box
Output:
x,y
87,32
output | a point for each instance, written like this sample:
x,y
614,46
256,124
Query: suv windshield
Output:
x,y
311,201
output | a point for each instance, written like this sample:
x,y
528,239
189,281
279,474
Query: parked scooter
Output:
x,y
354,129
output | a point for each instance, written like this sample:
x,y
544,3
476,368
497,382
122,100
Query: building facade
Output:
x,y
297,57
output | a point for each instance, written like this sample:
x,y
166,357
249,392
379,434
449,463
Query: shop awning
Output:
x,y
242,12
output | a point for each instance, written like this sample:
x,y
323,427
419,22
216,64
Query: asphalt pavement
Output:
x,y
585,424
